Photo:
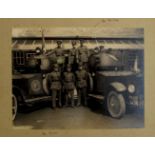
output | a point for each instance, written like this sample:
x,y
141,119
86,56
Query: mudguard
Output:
x,y
18,91
46,87
118,86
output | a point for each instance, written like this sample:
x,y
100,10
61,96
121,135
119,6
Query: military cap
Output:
x,y
101,47
81,41
59,41
96,48
74,42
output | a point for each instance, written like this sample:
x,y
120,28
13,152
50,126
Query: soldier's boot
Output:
x,y
53,104
79,101
85,96
54,99
72,103
85,103
72,99
79,98
66,101
60,104
66,104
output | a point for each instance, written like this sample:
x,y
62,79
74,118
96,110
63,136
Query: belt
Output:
x,y
68,81
81,79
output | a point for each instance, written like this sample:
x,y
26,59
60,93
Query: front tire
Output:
x,y
14,106
116,104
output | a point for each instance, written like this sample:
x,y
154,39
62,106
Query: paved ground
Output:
x,y
76,118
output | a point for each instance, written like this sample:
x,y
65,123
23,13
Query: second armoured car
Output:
x,y
116,82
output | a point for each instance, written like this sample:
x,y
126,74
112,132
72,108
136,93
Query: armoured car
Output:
x,y
116,80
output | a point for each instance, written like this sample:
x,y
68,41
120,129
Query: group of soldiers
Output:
x,y
69,77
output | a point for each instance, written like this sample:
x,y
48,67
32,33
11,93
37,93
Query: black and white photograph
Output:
x,y
77,78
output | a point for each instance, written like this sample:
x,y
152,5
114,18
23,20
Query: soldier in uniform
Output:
x,y
72,57
69,86
93,60
81,77
59,53
55,85
83,54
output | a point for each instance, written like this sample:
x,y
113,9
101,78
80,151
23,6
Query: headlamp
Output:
x,y
131,88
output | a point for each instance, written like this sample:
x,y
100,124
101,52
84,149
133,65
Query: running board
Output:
x,y
38,99
42,99
99,97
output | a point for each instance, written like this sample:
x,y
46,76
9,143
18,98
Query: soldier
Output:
x,y
55,85
83,54
69,86
72,58
59,52
81,77
102,49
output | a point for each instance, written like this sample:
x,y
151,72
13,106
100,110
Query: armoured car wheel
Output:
x,y
14,106
116,104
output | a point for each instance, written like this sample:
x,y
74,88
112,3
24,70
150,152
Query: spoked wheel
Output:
x,y
116,104
14,106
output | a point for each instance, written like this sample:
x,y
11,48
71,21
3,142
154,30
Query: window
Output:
x,y
19,58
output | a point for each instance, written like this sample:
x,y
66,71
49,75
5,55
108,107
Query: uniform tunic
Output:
x,y
69,80
83,54
59,52
81,79
55,80
72,55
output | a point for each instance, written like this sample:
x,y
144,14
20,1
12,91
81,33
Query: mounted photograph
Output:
x,y
77,78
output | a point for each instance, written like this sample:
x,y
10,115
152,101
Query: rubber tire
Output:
x,y
122,104
15,107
